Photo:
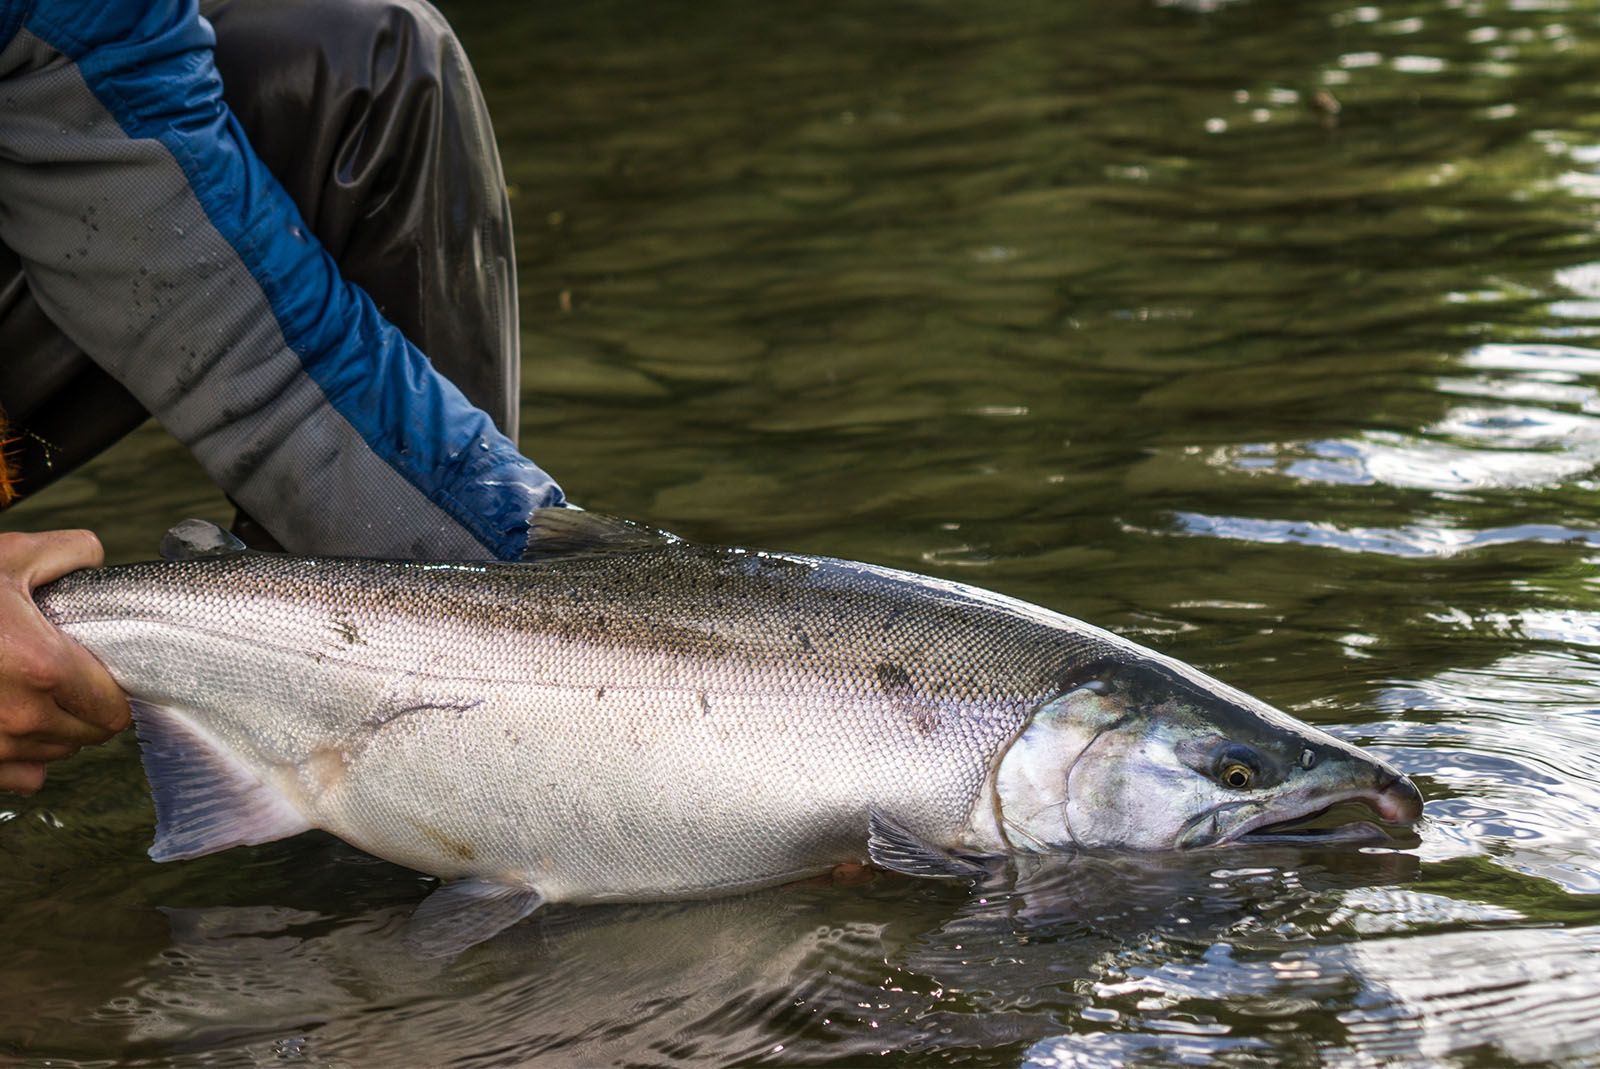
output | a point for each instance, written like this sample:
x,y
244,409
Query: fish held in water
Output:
x,y
630,716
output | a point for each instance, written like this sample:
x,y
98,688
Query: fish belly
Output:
x,y
624,790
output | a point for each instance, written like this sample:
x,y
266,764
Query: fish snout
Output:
x,y
1397,799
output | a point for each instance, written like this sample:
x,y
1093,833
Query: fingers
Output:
x,y
87,691
33,748
21,777
55,697
38,558
47,723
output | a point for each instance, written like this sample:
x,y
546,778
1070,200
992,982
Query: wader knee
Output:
x,y
367,112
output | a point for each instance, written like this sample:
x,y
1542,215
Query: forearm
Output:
x,y
160,245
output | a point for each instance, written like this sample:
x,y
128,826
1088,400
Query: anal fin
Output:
x,y
465,913
206,799
891,846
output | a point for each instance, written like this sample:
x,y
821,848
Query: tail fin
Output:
x,y
206,799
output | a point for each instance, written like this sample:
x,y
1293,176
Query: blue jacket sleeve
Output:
x,y
159,244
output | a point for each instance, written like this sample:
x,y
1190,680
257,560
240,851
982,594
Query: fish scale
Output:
x,y
693,648
630,717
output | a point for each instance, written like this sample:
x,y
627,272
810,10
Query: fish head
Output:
x,y
1145,753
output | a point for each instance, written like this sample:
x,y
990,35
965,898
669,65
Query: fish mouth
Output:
x,y
1349,822
1380,817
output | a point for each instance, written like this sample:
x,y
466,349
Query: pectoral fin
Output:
x,y
465,913
892,846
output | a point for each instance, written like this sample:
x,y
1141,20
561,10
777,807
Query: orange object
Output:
x,y
8,471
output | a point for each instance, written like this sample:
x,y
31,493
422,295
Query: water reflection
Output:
x,y
1542,443
809,973
1514,749
1417,541
1264,333
1518,995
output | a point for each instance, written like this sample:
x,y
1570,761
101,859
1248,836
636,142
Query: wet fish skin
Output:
x,y
638,717
744,705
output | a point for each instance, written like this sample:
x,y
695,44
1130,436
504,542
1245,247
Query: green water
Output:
x,y
1099,305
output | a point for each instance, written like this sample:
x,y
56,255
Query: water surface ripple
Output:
x,y
1267,334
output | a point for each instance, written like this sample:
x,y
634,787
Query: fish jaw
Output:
x,y
1396,804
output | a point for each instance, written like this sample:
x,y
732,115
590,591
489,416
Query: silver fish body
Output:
x,y
643,718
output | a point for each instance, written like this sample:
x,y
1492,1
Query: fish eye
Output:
x,y
1237,767
1237,775
1308,757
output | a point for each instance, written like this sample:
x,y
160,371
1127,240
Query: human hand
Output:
x,y
55,698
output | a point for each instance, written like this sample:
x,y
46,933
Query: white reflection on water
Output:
x,y
1545,362
1534,429
1516,748
1526,994
1417,540
1523,995
1273,954
1416,462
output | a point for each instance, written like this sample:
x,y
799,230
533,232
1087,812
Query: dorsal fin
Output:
x,y
570,532
189,539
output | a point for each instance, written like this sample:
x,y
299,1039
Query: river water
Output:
x,y
1265,334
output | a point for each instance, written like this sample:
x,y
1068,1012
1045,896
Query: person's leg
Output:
x,y
59,408
367,113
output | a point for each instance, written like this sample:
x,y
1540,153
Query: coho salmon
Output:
x,y
631,716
